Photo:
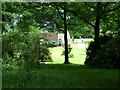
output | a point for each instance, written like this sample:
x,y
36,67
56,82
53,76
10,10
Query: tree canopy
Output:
x,y
83,18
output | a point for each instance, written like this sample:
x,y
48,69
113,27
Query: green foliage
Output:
x,y
21,36
25,48
69,52
9,63
108,54
81,19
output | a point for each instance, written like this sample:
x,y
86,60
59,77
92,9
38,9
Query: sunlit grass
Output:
x,y
79,53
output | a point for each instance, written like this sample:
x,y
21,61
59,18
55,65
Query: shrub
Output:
x,y
108,54
25,49
9,63
91,50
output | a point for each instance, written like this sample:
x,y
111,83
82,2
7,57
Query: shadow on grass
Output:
x,y
61,76
67,66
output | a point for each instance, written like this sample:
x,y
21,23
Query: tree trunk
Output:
x,y
97,24
96,28
65,37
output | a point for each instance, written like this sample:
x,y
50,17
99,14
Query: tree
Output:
x,y
60,7
65,35
92,14
108,41
21,36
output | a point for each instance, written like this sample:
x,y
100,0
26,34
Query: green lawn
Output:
x,y
79,53
58,75
62,76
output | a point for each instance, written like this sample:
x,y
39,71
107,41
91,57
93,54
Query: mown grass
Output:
x,y
62,76
79,55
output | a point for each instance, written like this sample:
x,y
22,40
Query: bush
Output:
x,y
107,55
9,63
24,49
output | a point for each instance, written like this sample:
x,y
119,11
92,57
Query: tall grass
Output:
x,y
62,76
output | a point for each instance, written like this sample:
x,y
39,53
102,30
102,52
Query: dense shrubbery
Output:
x,y
24,49
107,55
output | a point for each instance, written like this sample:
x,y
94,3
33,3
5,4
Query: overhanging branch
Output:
x,y
114,9
85,20
89,5
59,12
81,17
58,26
108,3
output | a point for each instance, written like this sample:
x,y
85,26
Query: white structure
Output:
x,y
61,39
57,38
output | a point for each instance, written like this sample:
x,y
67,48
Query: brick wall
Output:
x,y
50,36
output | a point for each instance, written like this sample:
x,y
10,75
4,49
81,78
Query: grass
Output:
x,y
62,76
79,53
58,75
87,40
